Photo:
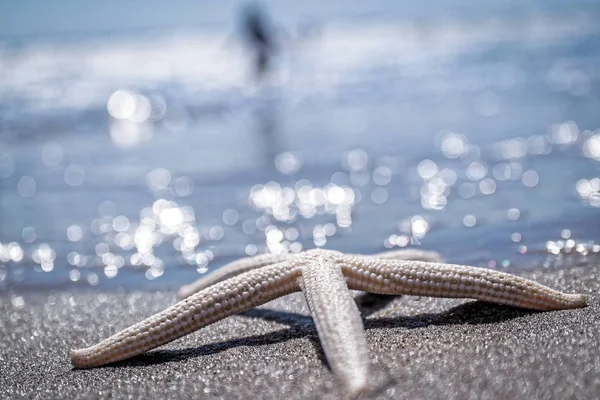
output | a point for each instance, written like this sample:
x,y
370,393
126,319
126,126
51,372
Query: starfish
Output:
x,y
325,277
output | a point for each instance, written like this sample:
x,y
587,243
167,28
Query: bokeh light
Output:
x,y
159,155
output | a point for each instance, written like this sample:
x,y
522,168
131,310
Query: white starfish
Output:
x,y
249,263
324,276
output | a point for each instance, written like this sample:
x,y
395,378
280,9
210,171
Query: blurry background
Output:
x,y
143,143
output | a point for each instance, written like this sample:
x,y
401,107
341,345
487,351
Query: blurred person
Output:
x,y
260,37
265,40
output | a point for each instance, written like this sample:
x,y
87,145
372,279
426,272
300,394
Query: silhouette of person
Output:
x,y
260,37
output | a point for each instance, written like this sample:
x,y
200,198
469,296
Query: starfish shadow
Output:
x,y
368,303
471,313
300,326
167,356
475,312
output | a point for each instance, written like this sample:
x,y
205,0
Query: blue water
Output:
x,y
136,151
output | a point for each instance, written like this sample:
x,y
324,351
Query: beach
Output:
x,y
138,153
419,348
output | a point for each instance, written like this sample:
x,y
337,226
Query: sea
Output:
x,y
138,151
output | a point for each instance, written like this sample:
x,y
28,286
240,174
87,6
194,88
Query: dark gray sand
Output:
x,y
420,348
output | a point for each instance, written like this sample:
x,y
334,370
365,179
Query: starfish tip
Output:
x,y
183,292
581,300
77,358
356,387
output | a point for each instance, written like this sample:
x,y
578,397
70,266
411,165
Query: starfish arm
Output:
x,y
204,308
249,263
409,254
230,270
338,322
458,281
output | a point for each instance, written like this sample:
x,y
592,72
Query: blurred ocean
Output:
x,y
136,152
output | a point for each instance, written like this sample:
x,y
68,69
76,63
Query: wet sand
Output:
x,y
420,348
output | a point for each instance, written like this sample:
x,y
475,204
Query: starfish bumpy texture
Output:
x,y
324,277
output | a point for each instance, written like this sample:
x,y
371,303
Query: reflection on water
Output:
x,y
269,132
149,160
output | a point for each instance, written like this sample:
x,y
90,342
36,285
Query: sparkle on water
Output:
x,y
271,219
457,187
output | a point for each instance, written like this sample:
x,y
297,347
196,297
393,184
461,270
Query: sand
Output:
x,y
420,348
